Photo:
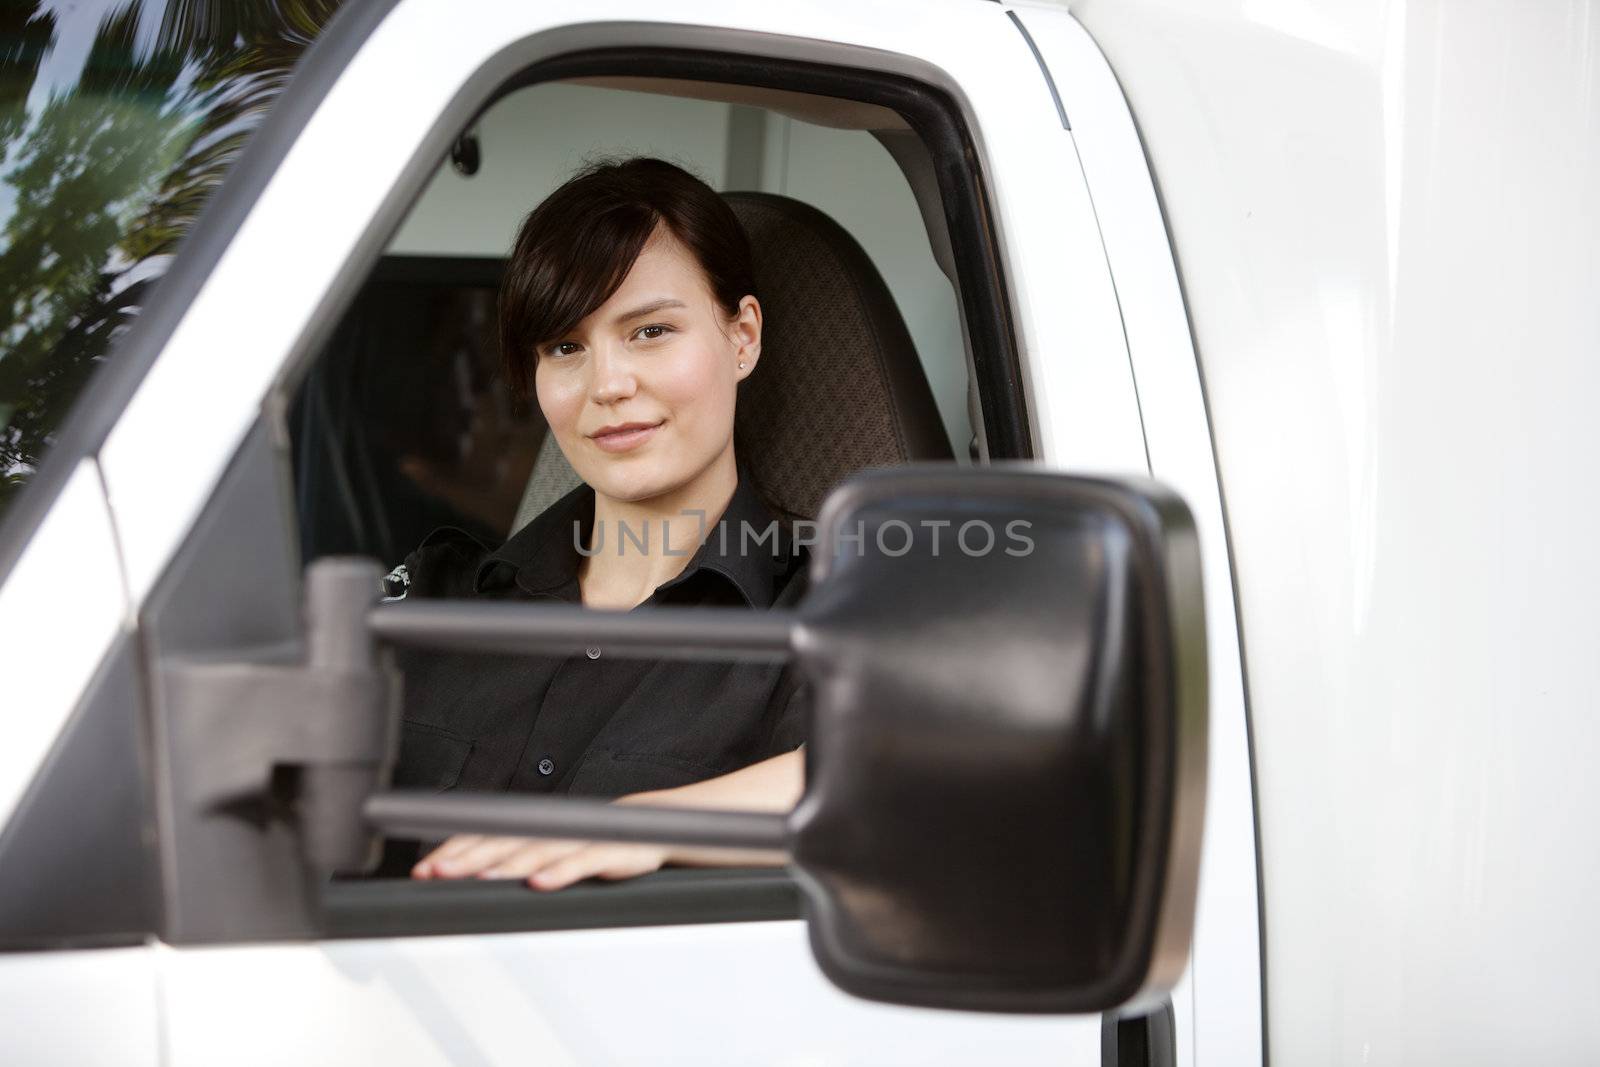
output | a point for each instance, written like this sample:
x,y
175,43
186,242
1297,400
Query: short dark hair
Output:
x,y
574,250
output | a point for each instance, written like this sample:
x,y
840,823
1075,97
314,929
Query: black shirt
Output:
x,y
597,725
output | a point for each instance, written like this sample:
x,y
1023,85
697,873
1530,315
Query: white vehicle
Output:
x,y
1275,317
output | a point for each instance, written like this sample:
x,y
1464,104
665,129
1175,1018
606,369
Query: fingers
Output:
x,y
546,864
533,855
469,855
428,866
598,861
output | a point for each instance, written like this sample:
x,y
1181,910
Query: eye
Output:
x,y
562,348
653,332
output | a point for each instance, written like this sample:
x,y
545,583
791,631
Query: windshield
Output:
x,y
118,121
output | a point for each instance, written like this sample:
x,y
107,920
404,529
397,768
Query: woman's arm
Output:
x,y
772,785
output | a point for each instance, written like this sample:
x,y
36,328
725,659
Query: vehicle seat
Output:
x,y
839,387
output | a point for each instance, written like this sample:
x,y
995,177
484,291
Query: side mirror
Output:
x,y
1006,779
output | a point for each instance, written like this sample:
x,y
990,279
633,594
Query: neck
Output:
x,y
649,542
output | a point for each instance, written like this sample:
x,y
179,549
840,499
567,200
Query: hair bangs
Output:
x,y
572,266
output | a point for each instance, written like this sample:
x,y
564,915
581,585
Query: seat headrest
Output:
x,y
839,387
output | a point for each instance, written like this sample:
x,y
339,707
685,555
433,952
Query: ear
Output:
x,y
746,335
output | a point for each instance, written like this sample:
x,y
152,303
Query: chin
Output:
x,y
618,482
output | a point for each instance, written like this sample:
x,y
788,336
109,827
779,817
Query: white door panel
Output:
x,y
79,1008
737,993
1390,259
60,607
1224,988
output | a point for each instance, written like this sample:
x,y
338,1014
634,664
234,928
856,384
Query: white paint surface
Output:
x,y
1224,992
1385,216
59,609
736,994
80,1008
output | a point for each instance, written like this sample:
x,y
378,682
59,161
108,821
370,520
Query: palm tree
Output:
x,y
106,178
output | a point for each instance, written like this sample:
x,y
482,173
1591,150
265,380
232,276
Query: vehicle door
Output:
x,y
683,966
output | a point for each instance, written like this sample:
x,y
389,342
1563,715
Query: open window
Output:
x,y
867,338
396,423
872,347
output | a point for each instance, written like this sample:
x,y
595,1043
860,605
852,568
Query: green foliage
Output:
x,y
108,176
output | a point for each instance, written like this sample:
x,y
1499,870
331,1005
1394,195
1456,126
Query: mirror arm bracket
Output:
x,y
328,714
406,813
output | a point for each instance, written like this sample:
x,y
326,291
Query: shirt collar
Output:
x,y
746,551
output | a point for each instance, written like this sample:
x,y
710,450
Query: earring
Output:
x,y
741,365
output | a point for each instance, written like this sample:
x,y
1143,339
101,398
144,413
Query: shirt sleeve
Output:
x,y
792,697
793,726
444,565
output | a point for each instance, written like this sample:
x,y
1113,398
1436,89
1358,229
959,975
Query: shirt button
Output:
x,y
593,652
546,766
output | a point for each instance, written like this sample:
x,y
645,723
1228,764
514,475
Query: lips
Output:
x,y
624,437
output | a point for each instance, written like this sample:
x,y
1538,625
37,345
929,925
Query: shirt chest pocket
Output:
x,y
430,757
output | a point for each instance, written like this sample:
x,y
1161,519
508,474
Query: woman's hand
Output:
x,y
772,785
545,863
542,862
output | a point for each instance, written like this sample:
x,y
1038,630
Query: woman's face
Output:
x,y
640,394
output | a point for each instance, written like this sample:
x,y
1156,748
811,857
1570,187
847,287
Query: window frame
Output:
x,y
191,608
686,896
934,116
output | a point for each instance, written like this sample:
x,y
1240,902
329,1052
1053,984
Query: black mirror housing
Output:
x,y
1006,780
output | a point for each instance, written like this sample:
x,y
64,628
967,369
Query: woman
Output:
x,y
629,311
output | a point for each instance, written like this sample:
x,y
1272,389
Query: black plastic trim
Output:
x,y
425,815
1087,946
395,908
1148,1040
520,629
94,413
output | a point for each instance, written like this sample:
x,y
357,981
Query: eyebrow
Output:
x,y
648,309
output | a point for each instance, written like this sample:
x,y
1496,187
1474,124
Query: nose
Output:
x,y
612,375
